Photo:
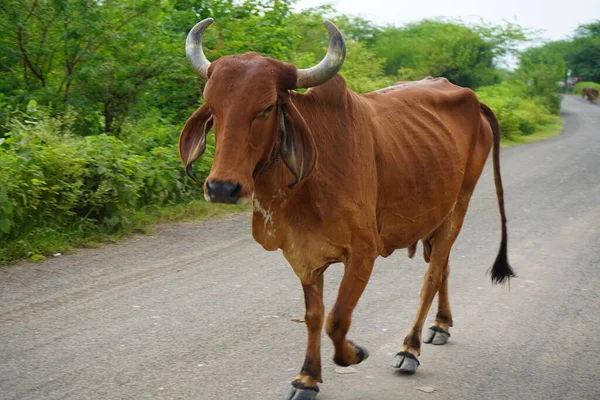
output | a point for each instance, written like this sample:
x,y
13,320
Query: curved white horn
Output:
x,y
330,65
193,48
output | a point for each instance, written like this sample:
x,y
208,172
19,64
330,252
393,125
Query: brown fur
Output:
x,y
590,94
378,172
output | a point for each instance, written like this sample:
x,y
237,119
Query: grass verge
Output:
x,y
542,133
43,242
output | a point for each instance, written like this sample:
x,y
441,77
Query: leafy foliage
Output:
x,y
519,113
465,55
55,181
583,84
584,55
541,68
93,95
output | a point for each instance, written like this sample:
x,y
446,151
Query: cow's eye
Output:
x,y
264,114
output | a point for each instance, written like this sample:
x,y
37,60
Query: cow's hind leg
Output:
x,y
439,332
442,240
304,387
356,275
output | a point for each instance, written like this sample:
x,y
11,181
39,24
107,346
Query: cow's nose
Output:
x,y
224,192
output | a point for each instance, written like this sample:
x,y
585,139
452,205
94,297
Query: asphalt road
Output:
x,y
200,311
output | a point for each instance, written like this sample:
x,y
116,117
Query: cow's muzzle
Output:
x,y
223,192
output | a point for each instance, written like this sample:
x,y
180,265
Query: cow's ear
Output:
x,y
297,148
192,140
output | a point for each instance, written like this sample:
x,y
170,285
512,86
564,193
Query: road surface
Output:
x,y
201,311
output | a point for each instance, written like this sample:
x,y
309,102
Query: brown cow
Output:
x,y
337,176
590,94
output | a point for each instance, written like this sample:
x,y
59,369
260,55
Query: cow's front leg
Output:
x,y
304,387
356,275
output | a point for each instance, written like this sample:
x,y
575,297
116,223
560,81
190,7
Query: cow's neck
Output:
x,y
271,187
269,202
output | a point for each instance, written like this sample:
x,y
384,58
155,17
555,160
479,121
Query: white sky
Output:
x,y
557,19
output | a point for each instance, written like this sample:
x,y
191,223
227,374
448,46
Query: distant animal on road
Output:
x,y
590,94
340,177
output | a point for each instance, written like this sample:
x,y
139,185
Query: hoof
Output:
x,y
406,362
301,394
360,352
436,335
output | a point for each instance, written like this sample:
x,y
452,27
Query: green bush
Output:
x,y
580,85
518,114
164,181
112,180
54,182
40,172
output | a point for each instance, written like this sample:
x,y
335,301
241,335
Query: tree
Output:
x,y
363,70
464,55
542,68
584,57
57,50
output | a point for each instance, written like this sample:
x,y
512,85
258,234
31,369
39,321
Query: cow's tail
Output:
x,y
501,270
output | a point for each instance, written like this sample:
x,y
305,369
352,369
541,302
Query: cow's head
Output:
x,y
247,103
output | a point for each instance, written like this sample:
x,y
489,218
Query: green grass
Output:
x,y
43,242
542,133
197,210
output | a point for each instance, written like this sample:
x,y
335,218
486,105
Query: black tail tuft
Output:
x,y
501,270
